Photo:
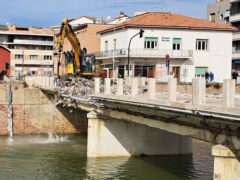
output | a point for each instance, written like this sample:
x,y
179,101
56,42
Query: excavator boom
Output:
x,y
66,31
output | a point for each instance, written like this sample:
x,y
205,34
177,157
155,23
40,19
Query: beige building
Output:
x,y
31,49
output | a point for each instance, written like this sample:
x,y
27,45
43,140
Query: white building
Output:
x,y
193,45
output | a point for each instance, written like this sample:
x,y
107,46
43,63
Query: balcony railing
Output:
x,y
235,17
236,36
236,53
33,42
32,62
144,53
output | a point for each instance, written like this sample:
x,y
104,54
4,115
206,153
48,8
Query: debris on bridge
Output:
x,y
83,88
79,87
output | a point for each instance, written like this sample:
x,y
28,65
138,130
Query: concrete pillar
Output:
x,y
47,85
152,88
119,87
134,87
172,90
92,143
228,92
107,86
96,85
198,91
128,81
226,165
118,138
143,81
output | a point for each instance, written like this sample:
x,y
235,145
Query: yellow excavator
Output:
x,y
81,63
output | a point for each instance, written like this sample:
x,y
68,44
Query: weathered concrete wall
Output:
x,y
186,88
115,138
35,112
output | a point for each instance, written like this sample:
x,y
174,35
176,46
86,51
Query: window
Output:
x,y
212,17
48,48
221,17
33,56
176,43
150,43
200,71
202,44
106,45
18,56
114,44
47,57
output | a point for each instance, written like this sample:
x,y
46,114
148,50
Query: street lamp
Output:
x,y
140,35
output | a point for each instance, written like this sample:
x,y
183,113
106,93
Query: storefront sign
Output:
x,y
165,39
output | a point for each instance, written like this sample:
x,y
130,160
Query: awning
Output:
x,y
237,62
227,13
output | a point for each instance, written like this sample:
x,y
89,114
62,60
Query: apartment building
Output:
x,y
4,62
192,45
219,12
31,49
228,12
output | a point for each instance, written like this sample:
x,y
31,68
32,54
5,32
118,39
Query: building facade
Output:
x,y
31,49
4,61
228,12
193,46
219,12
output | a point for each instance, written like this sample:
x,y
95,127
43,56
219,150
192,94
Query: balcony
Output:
x,y
32,62
145,53
233,1
236,36
235,18
32,42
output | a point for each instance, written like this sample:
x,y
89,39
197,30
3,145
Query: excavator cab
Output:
x,y
88,62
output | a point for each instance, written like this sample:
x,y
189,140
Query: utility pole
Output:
x,y
141,35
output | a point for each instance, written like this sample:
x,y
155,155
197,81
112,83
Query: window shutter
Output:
x,y
176,41
151,39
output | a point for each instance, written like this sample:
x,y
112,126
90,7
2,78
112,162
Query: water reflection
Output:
x,y
64,157
106,168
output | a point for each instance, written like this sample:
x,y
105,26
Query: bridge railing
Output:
x,y
47,82
198,90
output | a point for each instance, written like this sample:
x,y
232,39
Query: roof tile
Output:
x,y
168,20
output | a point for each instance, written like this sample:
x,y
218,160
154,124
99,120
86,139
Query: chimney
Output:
x,y
122,13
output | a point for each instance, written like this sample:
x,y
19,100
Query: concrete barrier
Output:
x,y
199,91
152,88
134,87
172,90
107,86
120,87
228,92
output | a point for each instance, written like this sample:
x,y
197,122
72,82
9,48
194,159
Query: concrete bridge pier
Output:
x,y
118,138
226,165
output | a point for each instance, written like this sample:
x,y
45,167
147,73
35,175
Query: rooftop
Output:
x,y
25,30
168,20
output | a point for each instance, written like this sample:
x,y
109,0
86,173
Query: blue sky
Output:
x,y
44,13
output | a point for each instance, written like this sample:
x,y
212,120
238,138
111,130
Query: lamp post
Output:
x,y
140,35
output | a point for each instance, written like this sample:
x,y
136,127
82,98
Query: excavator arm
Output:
x,y
66,31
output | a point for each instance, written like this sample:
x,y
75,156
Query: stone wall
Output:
x,y
35,112
186,88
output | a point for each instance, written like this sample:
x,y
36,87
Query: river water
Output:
x,y
64,157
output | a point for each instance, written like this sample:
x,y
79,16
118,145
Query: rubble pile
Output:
x,y
79,87
83,88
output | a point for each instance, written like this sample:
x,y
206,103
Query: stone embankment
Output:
x,y
35,112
